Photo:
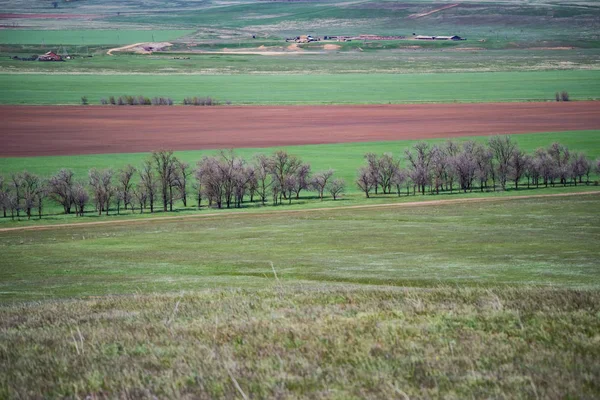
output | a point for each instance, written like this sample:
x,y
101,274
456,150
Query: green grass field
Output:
x,y
383,58
542,241
88,36
344,158
305,89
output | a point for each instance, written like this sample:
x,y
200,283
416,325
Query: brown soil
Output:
x,y
331,47
424,203
69,130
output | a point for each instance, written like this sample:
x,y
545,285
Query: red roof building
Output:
x,y
50,56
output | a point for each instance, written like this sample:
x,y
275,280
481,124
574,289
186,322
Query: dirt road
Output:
x,y
70,130
278,212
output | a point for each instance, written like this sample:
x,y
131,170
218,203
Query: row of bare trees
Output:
x,y
468,165
225,180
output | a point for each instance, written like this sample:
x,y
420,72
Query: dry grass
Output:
x,y
306,342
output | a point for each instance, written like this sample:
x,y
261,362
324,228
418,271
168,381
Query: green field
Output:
x,y
305,89
88,36
393,58
344,158
490,243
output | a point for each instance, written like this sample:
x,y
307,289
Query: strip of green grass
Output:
x,y
88,37
542,241
304,88
344,158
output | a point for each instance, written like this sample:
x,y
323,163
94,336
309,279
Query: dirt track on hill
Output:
x,y
71,130
423,203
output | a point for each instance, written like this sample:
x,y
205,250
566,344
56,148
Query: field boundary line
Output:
x,y
308,210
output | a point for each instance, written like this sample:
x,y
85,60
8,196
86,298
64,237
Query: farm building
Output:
x,y
50,56
448,37
424,37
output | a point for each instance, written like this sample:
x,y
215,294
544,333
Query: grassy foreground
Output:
x,y
60,88
319,341
309,305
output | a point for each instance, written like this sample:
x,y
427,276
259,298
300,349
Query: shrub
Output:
x,y
121,101
564,96
200,101
111,100
557,96
84,100
103,101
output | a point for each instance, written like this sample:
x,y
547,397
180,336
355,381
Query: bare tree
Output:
x,y
373,168
283,165
560,158
101,183
60,189
141,196
183,173
319,181
149,185
580,166
125,183
16,182
419,160
531,172
32,192
3,196
288,187
484,167
399,179
440,166
80,199
518,166
365,181
465,165
451,149
252,182
503,149
212,180
388,166
198,182
544,166
336,187
302,179
165,163
262,173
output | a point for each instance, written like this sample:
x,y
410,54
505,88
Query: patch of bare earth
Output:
x,y
69,130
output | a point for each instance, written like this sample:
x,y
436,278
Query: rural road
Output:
x,y
76,130
280,212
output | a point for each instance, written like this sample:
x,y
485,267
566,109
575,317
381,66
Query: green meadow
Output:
x,y
541,241
305,89
87,37
344,158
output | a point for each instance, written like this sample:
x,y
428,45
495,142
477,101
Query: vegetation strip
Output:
x,y
236,213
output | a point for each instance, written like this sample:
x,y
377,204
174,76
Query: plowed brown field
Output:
x,y
55,130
